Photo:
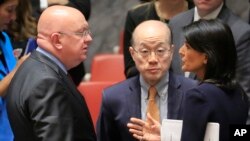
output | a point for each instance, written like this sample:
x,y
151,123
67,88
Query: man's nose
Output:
x,y
152,56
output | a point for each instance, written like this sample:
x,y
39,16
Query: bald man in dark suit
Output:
x,y
42,101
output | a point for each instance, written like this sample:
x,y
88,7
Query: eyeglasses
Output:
x,y
83,34
159,52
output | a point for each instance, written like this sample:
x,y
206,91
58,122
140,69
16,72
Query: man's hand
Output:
x,y
148,130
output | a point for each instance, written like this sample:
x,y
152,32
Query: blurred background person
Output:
x,y
162,10
23,28
7,61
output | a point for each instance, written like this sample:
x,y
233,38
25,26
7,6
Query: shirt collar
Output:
x,y
53,58
209,16
161,87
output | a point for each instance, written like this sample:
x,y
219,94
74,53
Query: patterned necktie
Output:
x,y
152,107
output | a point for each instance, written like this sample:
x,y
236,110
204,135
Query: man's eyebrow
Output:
x,y
156,43
83,27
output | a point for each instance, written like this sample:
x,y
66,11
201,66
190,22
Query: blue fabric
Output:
x,y
6,48
5,129
31,45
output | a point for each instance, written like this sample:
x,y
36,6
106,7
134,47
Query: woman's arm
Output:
x,y
4,83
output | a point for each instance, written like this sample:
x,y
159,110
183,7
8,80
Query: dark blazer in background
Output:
x,y
241,37
83,5
208,103
241,8
123,101
36,8
44,105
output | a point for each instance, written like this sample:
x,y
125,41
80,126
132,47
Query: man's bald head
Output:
x,y
151,28
57,18
59,27
152,36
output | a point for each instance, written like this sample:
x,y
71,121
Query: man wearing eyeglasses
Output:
x,y
152,53
43,102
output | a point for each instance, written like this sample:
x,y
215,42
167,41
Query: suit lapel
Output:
x,y
81,100
175,97
62,76
133,99
71,86
68,83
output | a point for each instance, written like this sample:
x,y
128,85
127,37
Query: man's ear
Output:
x,y
55,40
132,52
172,47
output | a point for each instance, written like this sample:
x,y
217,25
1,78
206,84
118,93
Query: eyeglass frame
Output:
x,y
83,34
146,55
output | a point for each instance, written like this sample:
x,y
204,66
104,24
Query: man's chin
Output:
x,y
153,77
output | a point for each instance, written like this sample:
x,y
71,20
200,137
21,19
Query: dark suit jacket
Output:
x,y
241,37
44,105
208,103
122,101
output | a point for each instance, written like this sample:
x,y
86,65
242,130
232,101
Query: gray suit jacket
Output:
x,y
44,105
241,33
122,101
